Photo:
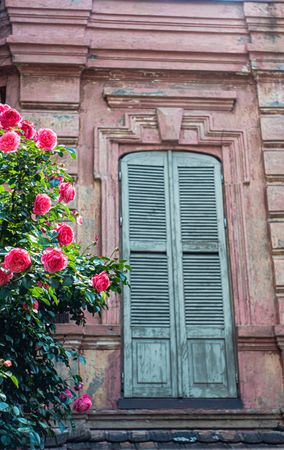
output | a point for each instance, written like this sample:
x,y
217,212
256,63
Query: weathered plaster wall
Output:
x,y
112,77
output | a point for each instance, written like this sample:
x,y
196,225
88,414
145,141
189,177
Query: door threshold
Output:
x,y
195,403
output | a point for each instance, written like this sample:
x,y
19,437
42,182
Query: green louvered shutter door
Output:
x,y
205,320
149,338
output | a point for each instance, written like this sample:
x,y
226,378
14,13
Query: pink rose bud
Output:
x,y
78,386
97,238
67,192
9,142
65,234
79,220
82,404
35,305
5,276
46,139
42,204
10,118
8,363
4,107
17,260
101,281
54,260
42,285
65,394
28,128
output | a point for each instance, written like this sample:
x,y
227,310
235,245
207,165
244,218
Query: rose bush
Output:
x,y
43,273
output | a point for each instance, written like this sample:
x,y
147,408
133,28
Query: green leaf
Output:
x,y
16,410
52,294
5,440
90,296
15,381
62,427
72,152
82,359
3,406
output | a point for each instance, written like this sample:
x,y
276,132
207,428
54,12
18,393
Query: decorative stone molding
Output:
x,y
90,337
49,88
187,419
52,33
256,338
169,123
117,97
197,132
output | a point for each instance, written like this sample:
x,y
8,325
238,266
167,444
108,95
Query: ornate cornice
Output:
x,y
123,97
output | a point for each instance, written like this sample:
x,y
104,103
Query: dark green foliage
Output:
x,y
30,389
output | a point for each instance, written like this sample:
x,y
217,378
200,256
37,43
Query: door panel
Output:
x,y
177,314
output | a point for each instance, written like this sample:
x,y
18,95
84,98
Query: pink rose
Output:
x,y
17,260
67,192
82,404
54,260
9,142
79,220
101,281
46,139
10,118
42,204
65,394
8,363
28,128
4,107
5,276
65,234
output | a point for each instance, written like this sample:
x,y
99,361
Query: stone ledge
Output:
x,y
84,439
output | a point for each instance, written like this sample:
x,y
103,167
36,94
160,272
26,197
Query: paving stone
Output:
x,y
184,437
62,447
148,445
79,446
250,437
60,438
117,436
160,436
80,434
272,437
127,445
229,436
100,446
208,437
97,436
138,436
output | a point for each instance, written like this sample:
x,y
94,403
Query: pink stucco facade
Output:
x,y
119,76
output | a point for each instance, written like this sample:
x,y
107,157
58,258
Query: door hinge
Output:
x,y
222,178
119,175
225,222
120,221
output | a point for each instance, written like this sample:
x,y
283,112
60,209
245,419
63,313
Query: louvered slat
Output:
x,y
203,290
149,291
147,212
198,214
